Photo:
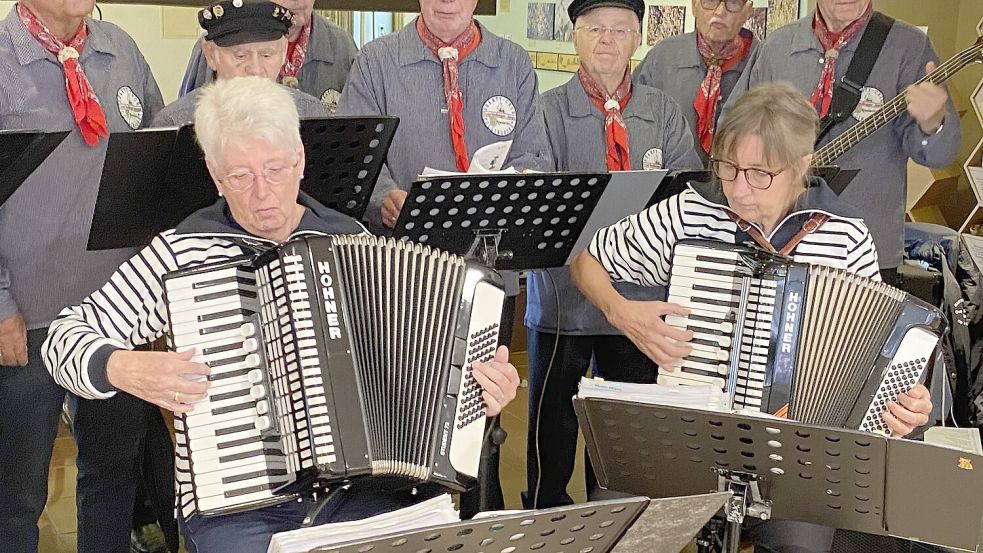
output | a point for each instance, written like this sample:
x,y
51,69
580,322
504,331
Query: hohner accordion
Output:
x,y
831,346
333,358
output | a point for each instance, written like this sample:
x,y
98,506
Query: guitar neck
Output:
x,y
891,110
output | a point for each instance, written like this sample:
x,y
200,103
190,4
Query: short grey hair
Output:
x,y
779,115
245,107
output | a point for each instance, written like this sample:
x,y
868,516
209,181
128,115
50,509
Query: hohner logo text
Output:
x,y
330,304
788,325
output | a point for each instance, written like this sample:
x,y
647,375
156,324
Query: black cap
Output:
x,y
234,22
580,7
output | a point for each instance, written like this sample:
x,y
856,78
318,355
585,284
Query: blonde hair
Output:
x,y
780,117
229,110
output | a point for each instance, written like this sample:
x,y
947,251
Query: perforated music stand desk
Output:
x,y
507,221
153,179
21,152
637,523
840,478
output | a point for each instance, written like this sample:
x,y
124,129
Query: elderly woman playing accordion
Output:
x,y
762,193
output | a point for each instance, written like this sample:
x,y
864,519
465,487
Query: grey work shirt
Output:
x,y
676,67
44,226
397,75
182,111
323,75
793,54
658,137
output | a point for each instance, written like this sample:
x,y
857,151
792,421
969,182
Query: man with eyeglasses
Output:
x,y
699,69
242,38
598,121
248,129
318,57
813,54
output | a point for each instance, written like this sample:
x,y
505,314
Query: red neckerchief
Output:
x,y
296,52
832,43
81,97
450,54
708,95
615,129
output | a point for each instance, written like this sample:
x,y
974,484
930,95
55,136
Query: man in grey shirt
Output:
x,y
699,69
248,38
928,133
319,57
44,265
565,331
399,75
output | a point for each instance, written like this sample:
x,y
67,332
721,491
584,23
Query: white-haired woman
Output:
x,y
248,130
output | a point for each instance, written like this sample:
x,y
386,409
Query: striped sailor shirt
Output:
x,y
639,248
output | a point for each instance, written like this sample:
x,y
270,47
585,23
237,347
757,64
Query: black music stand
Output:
x,y
511,222
619,525
21,152
153,179
782,469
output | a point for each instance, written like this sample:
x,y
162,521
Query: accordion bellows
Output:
x,y
333,358
827,346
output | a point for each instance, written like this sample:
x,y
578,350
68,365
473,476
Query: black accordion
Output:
x,y
332,358
827,346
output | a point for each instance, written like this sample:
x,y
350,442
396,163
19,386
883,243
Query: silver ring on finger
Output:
x,y
177,397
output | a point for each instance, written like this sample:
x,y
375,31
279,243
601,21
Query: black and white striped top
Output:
x,y
639,248
129,309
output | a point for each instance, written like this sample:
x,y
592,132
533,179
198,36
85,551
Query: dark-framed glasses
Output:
x,y
274,174
756,178
730,5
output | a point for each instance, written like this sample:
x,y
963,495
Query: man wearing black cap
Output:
x,y
599,121
319,57
242,38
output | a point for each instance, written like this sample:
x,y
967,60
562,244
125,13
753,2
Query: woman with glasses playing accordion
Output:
x,y
762,194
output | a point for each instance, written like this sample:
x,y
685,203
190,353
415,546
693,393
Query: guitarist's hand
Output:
x,y
926,103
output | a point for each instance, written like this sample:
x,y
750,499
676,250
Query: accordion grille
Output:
x,y
846,321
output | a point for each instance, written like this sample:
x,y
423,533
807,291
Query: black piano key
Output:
x,y
254,474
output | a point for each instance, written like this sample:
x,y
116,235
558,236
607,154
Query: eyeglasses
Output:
x,y
596,32
274,175
730,5
756,178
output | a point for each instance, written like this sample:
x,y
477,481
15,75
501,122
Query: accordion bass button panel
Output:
x,y
230,436
481,339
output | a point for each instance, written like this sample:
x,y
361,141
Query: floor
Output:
x,y
58,524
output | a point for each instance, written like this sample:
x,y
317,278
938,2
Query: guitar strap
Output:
x,y
846,95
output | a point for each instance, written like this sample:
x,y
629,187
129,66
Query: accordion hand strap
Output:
x,y
810,226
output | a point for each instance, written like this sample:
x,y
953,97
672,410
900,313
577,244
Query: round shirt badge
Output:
x,y
219,11
207,14
499,115
130,107
330,100
871,100
652,160
237,3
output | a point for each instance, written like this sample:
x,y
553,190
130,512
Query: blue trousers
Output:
x,y
30,405
251,531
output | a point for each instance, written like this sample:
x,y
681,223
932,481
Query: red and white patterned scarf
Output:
x,y
88,113
615,130
832,43
296,52
708,95
450,55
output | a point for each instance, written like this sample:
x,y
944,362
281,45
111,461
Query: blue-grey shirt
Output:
x,y
44,226
676,67
397,75
658,138
793,54
329,59
182,111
